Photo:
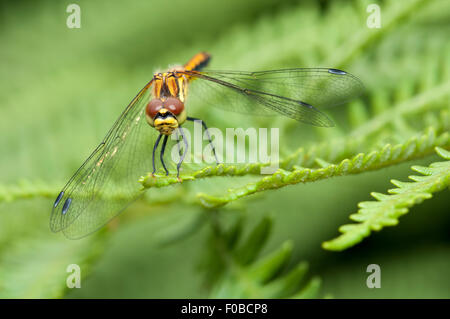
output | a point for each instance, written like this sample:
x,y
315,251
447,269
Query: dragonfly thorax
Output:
x,y
170,84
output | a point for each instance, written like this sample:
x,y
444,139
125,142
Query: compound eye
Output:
x,y
153,107
174,105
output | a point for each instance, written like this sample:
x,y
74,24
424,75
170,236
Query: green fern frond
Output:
x,y
343,147
27,189
243,275
373,216
386,156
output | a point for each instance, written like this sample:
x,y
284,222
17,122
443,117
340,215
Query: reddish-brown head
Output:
x,y
173,105
153,107
165,115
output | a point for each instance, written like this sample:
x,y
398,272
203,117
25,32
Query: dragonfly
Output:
x,y
107,182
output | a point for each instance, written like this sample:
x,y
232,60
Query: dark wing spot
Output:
x,y
66,206
337,72
58,199
309,106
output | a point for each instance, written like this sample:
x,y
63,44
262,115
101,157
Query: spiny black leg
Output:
x,y
207,134
184,153
161,155
154,151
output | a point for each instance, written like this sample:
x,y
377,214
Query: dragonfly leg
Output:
x,y
184,152
178,142
161,155
154,151
207,134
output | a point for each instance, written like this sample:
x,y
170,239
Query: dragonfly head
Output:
x,y
165,115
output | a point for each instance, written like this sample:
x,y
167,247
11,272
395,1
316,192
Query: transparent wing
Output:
x,y
108,180
292,92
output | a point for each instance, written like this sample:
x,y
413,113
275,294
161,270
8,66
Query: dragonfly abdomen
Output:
x,y
198,62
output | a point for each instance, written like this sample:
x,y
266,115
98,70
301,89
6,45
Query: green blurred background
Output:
x,y
61,89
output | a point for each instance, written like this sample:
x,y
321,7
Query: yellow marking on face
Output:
x,y
166,126
167,121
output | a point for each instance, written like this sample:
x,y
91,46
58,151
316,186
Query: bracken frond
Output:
x,y
243,275
386,210
388,155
